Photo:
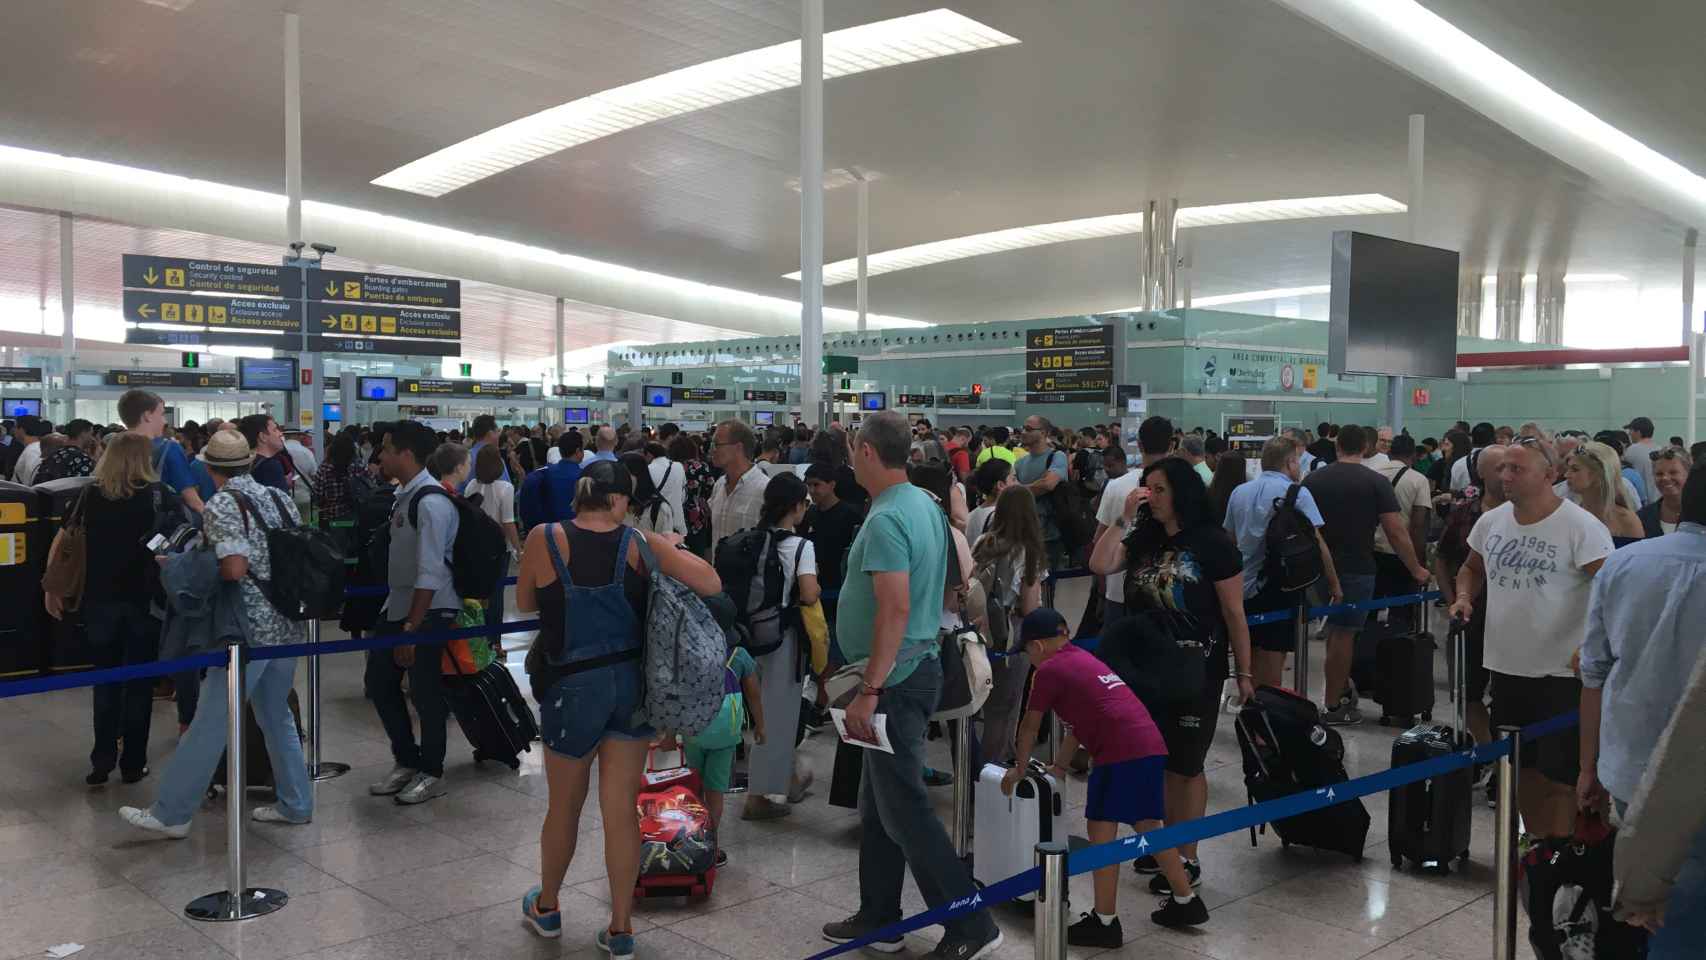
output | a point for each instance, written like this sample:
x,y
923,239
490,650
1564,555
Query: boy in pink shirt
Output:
x,y
1128,765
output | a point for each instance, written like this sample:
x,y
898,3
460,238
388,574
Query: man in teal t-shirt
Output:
x,y
889,612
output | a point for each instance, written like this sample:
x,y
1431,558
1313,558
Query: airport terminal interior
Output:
x,y
1014,224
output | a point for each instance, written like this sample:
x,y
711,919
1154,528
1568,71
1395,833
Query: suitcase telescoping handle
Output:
x,y
1456,634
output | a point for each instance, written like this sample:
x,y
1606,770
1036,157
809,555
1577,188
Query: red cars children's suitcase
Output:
x,y
678,844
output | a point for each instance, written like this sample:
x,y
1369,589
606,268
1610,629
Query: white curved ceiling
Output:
x,y
1104,104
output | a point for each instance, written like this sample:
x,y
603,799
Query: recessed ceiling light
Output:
x,y
1491,279
1113,225
872,46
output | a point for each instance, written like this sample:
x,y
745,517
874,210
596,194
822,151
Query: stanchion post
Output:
x,y
962,786
318,769
1050,906
1300,667
1505,907
1056,740
238,901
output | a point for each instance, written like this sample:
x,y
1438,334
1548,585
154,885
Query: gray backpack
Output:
x,y
685,651
996,578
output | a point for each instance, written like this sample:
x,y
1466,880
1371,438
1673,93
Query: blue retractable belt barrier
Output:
x,y
1230,821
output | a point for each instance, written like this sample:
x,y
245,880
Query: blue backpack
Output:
x,y
548,495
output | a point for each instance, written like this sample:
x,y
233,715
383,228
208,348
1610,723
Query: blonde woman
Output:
x,y
1592,473
118,512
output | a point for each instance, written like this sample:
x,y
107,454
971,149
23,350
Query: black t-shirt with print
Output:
x,y
1181,577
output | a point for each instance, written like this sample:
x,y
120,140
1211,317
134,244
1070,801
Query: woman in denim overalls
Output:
x,y
586,581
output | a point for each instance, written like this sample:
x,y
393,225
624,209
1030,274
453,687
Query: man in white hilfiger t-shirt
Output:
x,y
1536,556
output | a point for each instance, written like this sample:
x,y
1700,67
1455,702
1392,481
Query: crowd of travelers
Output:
x,y
1575,560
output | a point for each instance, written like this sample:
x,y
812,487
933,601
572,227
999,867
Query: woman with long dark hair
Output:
x,y
1011,558
771,770
331,482
1453,448
1177,558
1229,472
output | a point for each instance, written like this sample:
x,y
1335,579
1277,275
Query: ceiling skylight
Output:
x,y
1113,225
872,46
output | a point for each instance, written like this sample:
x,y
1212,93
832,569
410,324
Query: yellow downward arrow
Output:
x,y
150,277
331,289
145,309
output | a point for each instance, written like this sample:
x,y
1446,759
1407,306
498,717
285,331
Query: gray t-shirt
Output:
x,y
1639,458
1030,469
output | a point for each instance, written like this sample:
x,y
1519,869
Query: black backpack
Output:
x,y
1073,516
750,565
1294,555
479,556
308,571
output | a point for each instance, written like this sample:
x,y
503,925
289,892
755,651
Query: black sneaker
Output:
x,y
816,719
1193,869
1090,931
1176,914
937,778
1146,865
966,949
856,926
722,858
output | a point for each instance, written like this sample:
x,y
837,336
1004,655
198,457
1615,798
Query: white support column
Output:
x,y
862,291
811,210
67,310
309,395
1412,225
1689,240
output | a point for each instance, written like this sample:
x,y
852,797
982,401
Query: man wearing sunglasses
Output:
x,y
1535,557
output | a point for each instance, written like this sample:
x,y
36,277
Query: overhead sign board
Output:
x,y
840,363
700,394
1250,427
390,347
915,400
767,396
353,287
213,313
1049,380
185,275
958,400
1072,358
207,338
386,321
1069,396
588,393
462,388
1055,338
20,374
170,378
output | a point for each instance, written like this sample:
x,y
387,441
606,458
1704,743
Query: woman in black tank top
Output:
x,y
586,713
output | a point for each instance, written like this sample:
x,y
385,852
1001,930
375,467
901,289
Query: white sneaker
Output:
x,y
422,788
392,782
272,815
145,819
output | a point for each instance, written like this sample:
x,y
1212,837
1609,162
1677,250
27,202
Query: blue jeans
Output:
x,y
266,686
1685,914
899,827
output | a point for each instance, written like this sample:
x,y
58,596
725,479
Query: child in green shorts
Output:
x,y
711,753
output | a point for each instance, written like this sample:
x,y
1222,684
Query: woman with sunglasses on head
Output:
x,y
1670,472
1595,482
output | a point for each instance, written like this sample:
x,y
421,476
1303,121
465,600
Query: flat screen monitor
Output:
x,y
376,388
254,373
23,408
658,397
332,412
1394,308
764,418
873,401
575,415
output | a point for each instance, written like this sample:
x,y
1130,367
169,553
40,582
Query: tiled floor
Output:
x,y
370,879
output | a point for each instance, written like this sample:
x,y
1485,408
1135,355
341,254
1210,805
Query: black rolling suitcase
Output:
x,y
1287,750
492,713
1428,821
1404,676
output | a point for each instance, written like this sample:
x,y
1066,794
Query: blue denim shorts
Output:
x,y
1358,588
583,709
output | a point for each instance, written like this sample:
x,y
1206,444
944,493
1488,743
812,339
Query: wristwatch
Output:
x,y
866,690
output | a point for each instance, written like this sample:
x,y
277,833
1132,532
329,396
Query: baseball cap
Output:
x,y
1041,624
